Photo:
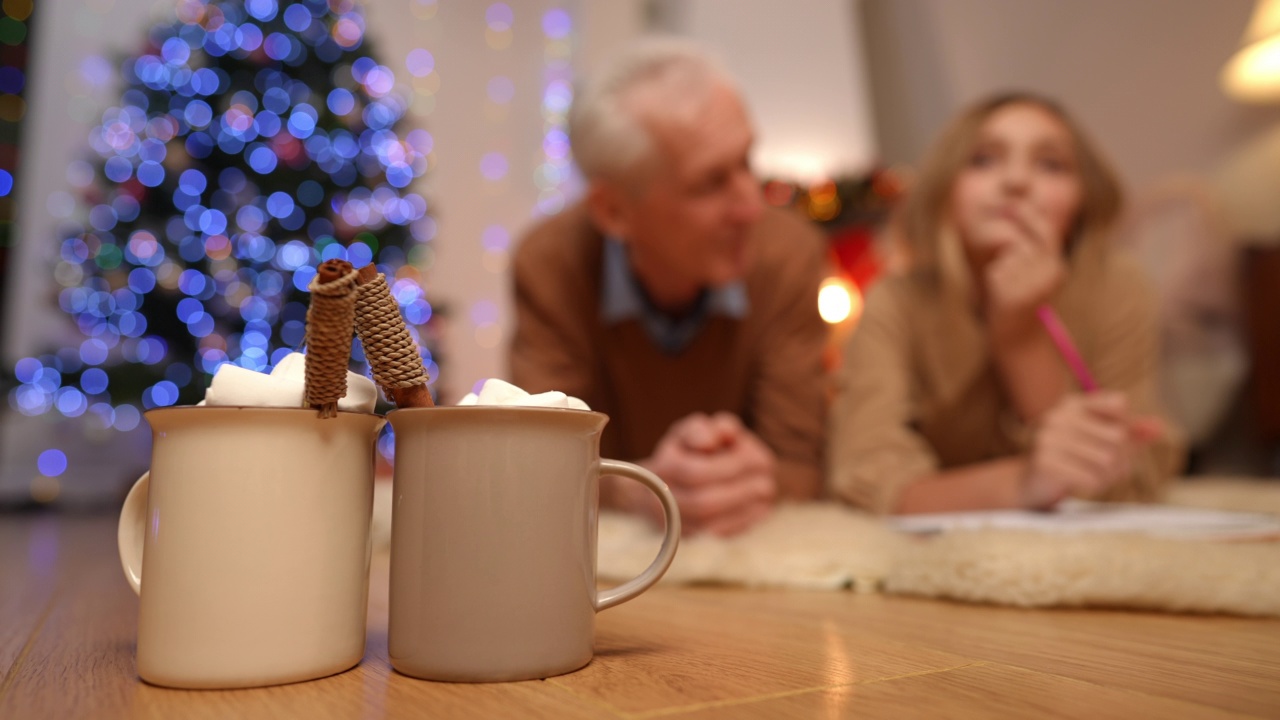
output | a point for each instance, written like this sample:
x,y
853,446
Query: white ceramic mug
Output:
x,y
248,543
493,541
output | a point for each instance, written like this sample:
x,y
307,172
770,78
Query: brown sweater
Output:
x,y
766,368
919,391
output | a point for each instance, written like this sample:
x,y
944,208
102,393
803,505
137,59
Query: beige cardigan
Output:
x,y
919,392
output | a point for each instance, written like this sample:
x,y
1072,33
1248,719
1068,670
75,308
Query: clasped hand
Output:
x,y
722,475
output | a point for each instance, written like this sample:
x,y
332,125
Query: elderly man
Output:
x,y
674,301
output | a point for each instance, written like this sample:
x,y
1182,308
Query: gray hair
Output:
x,y
658,75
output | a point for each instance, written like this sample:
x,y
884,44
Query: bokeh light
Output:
x,y
839,300
554,176
52,462
251,139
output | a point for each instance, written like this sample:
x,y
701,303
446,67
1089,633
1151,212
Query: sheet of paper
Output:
x,y
1079,516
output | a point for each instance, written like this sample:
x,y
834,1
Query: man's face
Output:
x,y
688,225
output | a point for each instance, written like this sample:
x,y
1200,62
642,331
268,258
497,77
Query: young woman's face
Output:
x,y
1024,162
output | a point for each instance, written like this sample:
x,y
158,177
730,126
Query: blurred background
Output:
x,y
166,192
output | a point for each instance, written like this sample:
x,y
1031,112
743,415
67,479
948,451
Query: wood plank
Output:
x,y
674,647
986,692
82,659
82,664
33,559
1236,660
71,621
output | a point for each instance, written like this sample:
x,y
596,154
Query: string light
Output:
x,y
554,174
839,300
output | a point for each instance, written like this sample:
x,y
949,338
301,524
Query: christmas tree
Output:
x,y
254,139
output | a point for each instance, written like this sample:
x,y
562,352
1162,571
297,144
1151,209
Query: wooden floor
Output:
x,y
68,622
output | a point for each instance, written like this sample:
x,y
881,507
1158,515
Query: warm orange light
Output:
x,y
1253,73
839,300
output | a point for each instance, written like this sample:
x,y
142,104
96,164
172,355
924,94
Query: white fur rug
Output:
x,y
825,546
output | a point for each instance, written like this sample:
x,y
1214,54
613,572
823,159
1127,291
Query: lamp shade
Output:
x,y
1253,73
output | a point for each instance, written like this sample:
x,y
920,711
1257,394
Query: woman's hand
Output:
x,y
1025,273
1082,449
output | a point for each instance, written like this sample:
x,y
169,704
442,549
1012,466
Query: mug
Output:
x,y
493,541
248,544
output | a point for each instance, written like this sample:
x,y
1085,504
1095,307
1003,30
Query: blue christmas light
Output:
x,y
162,394
302,277
211,359
227,256
93,351
556,24
132,324
263,10
70,402
52,463
12,80
280,204
198,114
104,412
340,101
249,37
126,208
499,16
150,174
262,159
192,282
127,418
199,145
200,325
118,169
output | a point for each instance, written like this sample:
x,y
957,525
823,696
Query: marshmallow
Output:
x,y
292,365
546,399
284,387
499,392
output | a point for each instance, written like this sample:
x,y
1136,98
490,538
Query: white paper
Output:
x,y
1080,516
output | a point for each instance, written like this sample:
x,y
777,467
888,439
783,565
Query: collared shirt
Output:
x,y
622,298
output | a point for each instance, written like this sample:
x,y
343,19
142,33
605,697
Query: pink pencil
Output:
x,y
1066,347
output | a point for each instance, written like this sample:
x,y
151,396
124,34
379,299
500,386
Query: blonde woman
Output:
x,y
953,396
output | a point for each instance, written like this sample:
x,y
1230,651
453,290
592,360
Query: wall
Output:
x,y
478,217
801,68
1141,74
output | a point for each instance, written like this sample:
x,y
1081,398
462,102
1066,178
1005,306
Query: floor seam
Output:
x,y
664,712
1117,688
11,676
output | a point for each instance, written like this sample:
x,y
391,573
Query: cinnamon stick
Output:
x,y
388,346
330,316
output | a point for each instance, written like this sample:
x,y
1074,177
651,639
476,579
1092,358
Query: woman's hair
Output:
x,y
665,74
925,213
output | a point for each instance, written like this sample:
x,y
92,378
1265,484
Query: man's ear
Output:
x,y
610,208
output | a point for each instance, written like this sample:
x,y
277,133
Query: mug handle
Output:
x,y
132,531
616,596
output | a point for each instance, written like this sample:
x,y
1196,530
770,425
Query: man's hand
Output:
x,y
1084,447
721,474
